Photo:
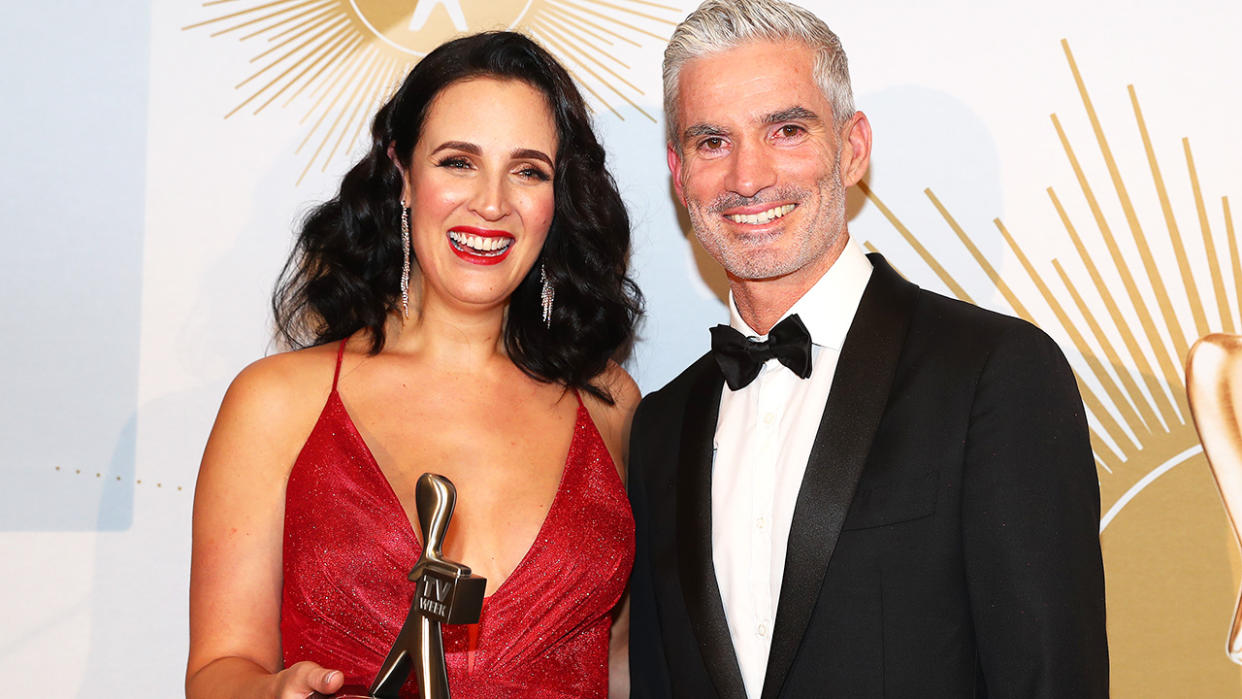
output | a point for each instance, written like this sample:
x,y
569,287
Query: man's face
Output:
x,y
761,163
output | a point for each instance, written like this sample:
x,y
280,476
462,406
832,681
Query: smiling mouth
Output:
x,y
481,245
763,216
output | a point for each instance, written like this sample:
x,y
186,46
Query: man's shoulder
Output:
x,y
677,391
660,418
948,323
957,314
955,326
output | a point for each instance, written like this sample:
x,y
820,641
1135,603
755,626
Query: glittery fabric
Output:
x,y
348,547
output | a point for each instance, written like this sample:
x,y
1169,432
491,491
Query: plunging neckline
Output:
x,y
408,527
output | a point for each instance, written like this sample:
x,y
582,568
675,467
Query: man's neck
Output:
x,y
762,302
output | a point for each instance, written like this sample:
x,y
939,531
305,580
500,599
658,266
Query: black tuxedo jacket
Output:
x,y
945,537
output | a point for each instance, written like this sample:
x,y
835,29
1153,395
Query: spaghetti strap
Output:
x,y
340,354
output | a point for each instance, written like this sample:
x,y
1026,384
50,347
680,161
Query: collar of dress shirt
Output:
x,y
827,308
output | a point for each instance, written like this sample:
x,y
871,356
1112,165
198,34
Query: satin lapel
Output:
x,y
694,535
860,389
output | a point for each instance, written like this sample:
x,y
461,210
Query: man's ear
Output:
x,y
674,169
855,149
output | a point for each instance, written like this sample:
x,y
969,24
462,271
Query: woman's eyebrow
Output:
x,y
473,149
459,145
531,154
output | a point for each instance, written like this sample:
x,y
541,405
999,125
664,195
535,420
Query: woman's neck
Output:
x,y
450,336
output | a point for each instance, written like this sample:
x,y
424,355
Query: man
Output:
x,y
903,504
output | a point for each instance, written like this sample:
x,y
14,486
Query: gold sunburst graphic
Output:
x,y
337,60
1170,559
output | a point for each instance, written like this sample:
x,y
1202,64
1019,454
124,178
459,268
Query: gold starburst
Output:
x,y
338,60
1143,410
1171,567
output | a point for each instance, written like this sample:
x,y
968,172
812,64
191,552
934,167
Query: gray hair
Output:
x,y
719,25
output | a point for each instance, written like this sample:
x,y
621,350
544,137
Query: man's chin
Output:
x,y
771,264
758,270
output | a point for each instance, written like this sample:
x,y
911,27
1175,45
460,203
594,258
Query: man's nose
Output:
x,y
751,169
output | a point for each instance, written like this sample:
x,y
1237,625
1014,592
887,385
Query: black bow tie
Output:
x,y
741,358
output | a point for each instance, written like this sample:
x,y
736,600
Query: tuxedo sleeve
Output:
x,y
648,668
1031,513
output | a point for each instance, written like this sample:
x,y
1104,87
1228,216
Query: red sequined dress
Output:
x,y
348,547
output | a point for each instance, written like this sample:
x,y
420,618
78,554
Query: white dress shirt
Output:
x,y
763,439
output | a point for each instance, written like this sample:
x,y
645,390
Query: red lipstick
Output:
x,y
480,246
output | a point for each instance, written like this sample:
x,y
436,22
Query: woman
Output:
x,y
484,356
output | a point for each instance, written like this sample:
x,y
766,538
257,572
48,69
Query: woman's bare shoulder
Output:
x,y
613,420
288,383
621,386
272,404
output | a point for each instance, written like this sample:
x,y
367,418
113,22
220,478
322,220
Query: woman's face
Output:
x,y
479,186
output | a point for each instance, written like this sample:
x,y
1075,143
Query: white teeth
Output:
x,y
763,216
480,244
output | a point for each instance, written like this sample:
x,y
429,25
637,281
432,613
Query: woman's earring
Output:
x,y
405,260
546,295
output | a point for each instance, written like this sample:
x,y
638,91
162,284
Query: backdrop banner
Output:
x,y
1070,163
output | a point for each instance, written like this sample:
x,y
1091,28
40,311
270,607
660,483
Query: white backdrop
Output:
x,y
144,231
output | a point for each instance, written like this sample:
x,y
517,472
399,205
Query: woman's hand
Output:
x,y
307,679
239,678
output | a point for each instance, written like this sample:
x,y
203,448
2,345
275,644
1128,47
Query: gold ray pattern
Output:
x,y
1209,245
947,279
1141,409
1234,260
1171,562
340,65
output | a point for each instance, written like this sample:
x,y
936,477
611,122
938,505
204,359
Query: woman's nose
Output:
x,y
490,201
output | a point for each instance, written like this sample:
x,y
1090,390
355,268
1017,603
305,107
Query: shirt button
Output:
x,y
769,418
763,630
761,523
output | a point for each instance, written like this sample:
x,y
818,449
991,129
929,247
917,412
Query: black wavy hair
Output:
x,y
344,273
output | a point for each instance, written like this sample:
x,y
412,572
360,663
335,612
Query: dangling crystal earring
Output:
x,y
546,295
405,260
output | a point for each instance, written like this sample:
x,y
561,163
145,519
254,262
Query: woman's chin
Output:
x,y
480,298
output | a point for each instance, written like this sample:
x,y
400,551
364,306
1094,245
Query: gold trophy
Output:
x,y
1214,386
446,593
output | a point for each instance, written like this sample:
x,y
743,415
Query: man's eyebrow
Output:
x,y
702,130
795,113
792,114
